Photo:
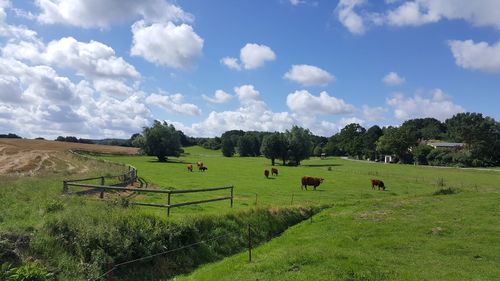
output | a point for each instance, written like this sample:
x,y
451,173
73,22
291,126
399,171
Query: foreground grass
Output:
x,y
405,233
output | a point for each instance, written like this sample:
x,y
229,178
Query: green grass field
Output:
x,y
404,233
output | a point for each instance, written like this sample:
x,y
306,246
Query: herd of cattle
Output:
x,y
305,181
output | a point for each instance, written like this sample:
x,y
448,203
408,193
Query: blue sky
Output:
x,y
99,69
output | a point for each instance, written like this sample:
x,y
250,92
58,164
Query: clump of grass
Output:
x,y
447,191
440,182
54,206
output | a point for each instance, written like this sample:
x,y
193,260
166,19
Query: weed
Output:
x,y
447,191
54,206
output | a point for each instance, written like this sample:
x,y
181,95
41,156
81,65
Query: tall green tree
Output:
x,y
227,147
160,140
370,139
396,140
351,139
299,144
275,146
425,128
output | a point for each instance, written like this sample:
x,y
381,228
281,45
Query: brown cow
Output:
x,y
266,173
311,181
378,183
199,164
274,171
190,167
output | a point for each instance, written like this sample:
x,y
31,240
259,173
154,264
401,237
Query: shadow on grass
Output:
x,y
321,165
169,161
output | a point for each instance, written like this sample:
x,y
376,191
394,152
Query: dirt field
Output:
x,y
19,156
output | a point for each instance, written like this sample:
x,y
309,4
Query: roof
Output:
x,y
446,144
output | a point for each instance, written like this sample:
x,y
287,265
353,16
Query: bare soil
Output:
x,y
20,156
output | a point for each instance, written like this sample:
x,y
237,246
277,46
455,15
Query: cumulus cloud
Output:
x,y
418,12
374,113
254,55
43,103
231,63
219,97
439,106
114,88
393,79
93,59
308,75
13,31
476,56
166,44
247,94
173,104
102,14
303,102
349,17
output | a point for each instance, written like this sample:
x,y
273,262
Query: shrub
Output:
x,y
28,272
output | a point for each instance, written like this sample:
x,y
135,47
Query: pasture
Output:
x,y
403,233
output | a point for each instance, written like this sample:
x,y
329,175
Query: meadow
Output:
x,y
404,233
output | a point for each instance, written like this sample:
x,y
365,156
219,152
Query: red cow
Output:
x,y
266,173
274,171
378,183
311,181
190,167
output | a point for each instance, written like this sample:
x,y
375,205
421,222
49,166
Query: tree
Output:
x,y
396,141
274,146
227,147
332,147
246,145
160,140
370,141
420,153
351,139
299,144
425,128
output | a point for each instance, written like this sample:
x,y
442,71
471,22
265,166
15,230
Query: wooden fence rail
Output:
x,y
169,192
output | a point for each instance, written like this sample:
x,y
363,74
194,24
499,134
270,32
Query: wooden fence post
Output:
x,y
255,199
65,186
292,200
168,205
110,272
232,196
249,244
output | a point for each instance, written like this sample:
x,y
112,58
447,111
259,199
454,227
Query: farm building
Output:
x,y
447,145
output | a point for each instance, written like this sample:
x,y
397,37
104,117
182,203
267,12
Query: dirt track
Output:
x,y
18,156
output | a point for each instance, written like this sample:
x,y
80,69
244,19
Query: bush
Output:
x,y
28,272
54,206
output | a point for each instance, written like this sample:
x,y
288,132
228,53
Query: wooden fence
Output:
x,y
132,174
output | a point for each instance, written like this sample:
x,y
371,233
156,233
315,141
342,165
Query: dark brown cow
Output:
x,y
202,168
266,173
315,182
274,172
190,167
378,183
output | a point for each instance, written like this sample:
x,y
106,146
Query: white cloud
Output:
x,y
93,59
173,104
231,63
371,113
296,2
439,106
349,17
393,79
308,75
247,94
114,88
219,97
418,12
254,55
102,14
302,102
476,56
166,44
42,103
13,31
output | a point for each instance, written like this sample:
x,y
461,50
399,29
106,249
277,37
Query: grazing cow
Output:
x,y
378,183
202,168
274,171
199,164
266,173
190,167
311,181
